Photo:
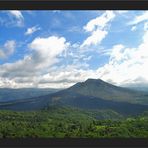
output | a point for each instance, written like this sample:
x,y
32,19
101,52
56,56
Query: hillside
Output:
x,y
91,94
104,90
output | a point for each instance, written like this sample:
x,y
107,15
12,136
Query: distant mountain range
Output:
x,y
8,94
136,86
90,95
139,88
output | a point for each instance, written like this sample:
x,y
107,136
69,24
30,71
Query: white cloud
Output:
x,y
7,49
31,30
122,11
2,54
146,26
41,67
97,28
65,77
127,65
95,38
117,53
47,49
99,22
56,11
18,16
139,19
59,78
44,53
133,28
10,47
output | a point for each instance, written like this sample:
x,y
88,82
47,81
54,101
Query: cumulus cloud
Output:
x,y
43,66
67,76
31,30
45,50
18,16
7,49
127,65
97,29
44,53
61,77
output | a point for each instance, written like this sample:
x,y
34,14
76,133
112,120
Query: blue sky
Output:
x,y
59,48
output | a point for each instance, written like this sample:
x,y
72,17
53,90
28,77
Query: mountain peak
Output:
x,y
94,80
101,89
90,84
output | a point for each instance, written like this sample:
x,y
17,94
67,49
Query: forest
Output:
x,y
55,122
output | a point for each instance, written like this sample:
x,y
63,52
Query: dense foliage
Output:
x,y
68,122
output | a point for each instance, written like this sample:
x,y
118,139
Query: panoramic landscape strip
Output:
x,y
73,74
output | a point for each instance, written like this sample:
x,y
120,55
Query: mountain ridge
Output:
x,y
81,95
12,94
107,91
